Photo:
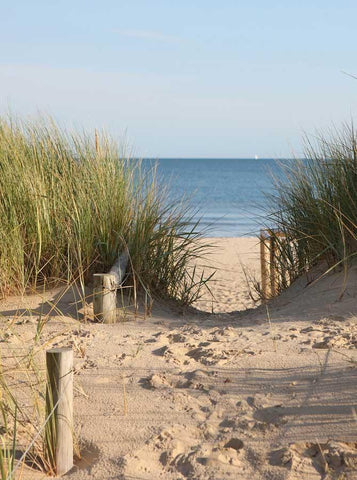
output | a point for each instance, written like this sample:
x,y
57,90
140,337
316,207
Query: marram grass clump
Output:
x,y
315,205
70,202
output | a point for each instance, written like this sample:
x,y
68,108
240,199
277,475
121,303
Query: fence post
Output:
x,y
104,297
263,265
273,272
59,398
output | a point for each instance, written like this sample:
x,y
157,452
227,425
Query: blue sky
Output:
x,y
184,78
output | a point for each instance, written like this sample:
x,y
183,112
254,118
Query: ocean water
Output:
x,y
227,193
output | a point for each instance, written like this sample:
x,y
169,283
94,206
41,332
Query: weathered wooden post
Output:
x,y
273,278
105,297
59,409
272,265
263,264
105,289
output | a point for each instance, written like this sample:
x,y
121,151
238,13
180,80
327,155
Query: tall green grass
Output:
x,y
315,204
70,202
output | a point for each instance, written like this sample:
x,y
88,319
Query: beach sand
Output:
x,y
236,264
264,393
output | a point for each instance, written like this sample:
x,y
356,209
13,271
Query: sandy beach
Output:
x,y
248,391
235,262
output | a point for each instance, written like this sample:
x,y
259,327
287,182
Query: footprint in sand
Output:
x,y
216,346
273,415
331,459
225,456
331,332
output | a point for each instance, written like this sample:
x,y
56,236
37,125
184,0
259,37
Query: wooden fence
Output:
x,y
273,276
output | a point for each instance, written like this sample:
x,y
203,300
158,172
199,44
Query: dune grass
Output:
x,y
22,380
70,202
27,431
315,205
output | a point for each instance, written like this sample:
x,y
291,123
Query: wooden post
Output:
x,y
59,406
263,265
273,273
272,281
104,297
119,268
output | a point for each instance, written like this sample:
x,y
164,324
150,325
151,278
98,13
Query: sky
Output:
x,y
185,78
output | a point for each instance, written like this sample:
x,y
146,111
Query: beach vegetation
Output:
x,y
315,206
71,202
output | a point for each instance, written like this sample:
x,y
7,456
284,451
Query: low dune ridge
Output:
x,y
250,392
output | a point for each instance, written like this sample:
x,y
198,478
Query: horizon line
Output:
x,y
219,158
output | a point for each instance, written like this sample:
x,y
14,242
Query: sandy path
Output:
x,y
220,396
236,263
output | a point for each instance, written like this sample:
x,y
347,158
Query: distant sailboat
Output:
x,y
256,157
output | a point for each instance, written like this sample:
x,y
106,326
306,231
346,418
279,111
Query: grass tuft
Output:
x,y
70,202
315,205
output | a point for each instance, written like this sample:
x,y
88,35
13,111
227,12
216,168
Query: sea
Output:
x,y
229,196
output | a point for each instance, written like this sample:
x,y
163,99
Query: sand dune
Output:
x,y
233,394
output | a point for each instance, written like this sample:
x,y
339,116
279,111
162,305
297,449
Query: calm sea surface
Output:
x,y
228,193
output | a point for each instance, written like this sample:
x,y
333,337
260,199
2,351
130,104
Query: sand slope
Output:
x,y
229,395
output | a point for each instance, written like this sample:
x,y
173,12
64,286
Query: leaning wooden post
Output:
x,y
104,297
263,265
59,409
